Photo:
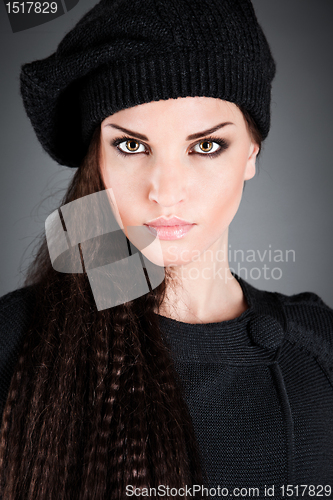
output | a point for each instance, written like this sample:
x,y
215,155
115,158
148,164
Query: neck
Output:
x,y
204,290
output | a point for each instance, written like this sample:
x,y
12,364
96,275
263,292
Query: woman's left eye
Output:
x,y
131,146
206,146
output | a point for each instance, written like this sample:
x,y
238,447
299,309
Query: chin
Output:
x,y
160,258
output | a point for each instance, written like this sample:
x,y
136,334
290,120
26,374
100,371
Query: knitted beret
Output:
x,y
127,52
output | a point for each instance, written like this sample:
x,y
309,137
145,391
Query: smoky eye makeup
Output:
x,y
132,144
204,147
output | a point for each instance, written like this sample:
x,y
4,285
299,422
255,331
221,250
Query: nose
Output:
x,y
168,181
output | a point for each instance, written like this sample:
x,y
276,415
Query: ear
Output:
x,y
250,168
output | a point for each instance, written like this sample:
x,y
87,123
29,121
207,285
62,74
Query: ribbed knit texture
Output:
x,y
261,394
127,52
259,387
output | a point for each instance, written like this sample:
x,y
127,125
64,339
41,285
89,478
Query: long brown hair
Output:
x,y
94,403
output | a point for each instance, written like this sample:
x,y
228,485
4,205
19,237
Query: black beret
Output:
x,y
127,52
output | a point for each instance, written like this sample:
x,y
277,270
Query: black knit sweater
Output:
x,y
259,389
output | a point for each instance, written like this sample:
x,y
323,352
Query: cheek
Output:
x,y
115,194
123,196
225,190
225,205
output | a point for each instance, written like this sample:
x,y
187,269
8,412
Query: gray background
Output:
x,y
287,206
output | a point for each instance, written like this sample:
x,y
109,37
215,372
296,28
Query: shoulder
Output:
x,y
304,312
15,313
302,319
16,310
310,326
308,312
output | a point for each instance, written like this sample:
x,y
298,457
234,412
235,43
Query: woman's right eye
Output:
x,y
131,146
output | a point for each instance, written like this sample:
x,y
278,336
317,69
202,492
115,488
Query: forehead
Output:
x,y
185,114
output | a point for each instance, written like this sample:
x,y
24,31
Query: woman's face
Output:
x,y
185,157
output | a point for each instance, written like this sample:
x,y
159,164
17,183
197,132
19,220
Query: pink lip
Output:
x,y
172,228
170,232
172,221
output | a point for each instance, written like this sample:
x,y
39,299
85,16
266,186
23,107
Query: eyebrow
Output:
x,y
129,132
209,131
190,137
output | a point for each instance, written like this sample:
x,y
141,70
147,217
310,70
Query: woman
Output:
x,y
203,380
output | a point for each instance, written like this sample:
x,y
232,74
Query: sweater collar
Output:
x,y
263,323
268,323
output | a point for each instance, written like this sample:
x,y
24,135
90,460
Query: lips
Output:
x,y
162,221
173,228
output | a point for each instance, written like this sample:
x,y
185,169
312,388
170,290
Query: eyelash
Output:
x,y
221,142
